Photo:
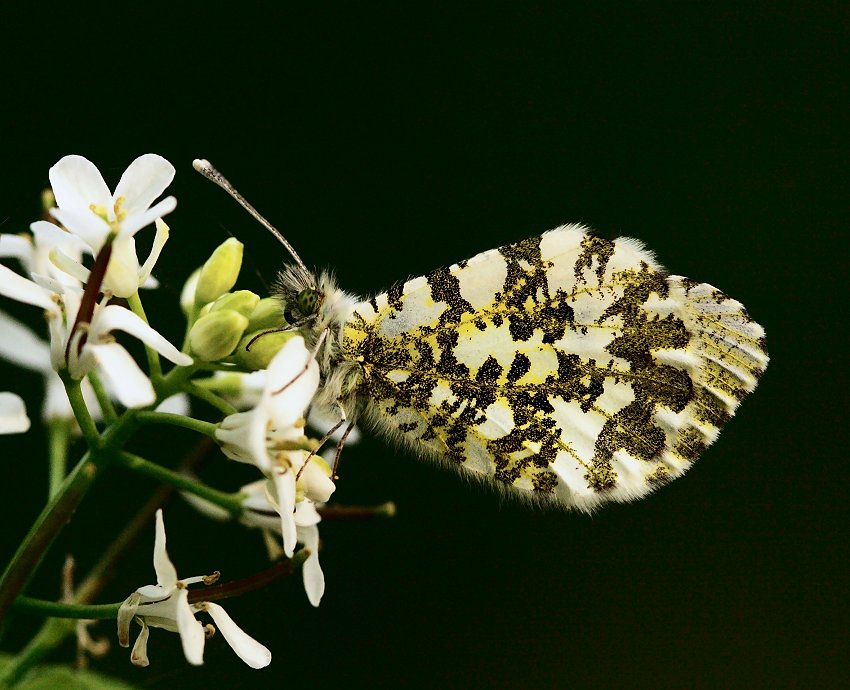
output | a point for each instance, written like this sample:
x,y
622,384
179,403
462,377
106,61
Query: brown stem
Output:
x,y
89,299
249,584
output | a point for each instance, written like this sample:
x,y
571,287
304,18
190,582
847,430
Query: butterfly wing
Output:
x,y
565,365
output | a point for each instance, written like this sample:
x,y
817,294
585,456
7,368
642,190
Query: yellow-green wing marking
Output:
x,y
564,365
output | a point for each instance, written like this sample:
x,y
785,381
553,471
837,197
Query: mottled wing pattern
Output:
x,y
565,365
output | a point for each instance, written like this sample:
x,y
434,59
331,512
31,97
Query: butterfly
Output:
x,y
567,368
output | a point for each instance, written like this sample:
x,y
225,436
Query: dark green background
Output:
x,y
387,142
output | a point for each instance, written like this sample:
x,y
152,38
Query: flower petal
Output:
x,y
314,578
21,289
175,404
77,183
242,437
166,573
47,234
122,274
126,612
116,318
16,247
19,345
159,241
91,229
316,484
284,486
293,377
136,222
143,181
249,650
131,386
191,631
74,269
139,655
13,414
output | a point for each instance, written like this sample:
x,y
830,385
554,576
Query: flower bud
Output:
x,y
215,335
242,301
220,271
267,315
257,348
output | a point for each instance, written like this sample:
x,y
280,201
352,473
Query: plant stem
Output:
x,y
59,436
81,410
56,609
154,365
54,631
106,406
235,588
231,502
202,427
209,397
48,524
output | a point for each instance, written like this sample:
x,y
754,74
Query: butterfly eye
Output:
x,y
308,301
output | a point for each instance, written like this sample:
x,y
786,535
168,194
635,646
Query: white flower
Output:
x,y
89,210
260,512
19,345
166,605
91,345
13,414
46,252
271,436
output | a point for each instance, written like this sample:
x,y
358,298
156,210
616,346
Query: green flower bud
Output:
x,y
258,348
267,315
242,301
215,335
220,272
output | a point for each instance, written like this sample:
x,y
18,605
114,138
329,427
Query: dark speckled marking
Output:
x,y
591,247
534,316
519,367
445,287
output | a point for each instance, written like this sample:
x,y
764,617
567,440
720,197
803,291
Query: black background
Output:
x,y
386,142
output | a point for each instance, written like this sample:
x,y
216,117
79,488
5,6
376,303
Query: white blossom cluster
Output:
x,y
50,268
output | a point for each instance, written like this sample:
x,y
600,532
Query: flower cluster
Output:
x,y
239,356
93,218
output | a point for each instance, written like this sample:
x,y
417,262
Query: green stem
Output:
x,y
106,406
209,397
81,410
57,609
231,502
59,437
54,631
202,427
154,365
47,525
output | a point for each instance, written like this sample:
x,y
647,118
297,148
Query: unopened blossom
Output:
x,y
90,211
166,605
271,436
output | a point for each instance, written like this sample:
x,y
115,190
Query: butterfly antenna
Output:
x,y
206,169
